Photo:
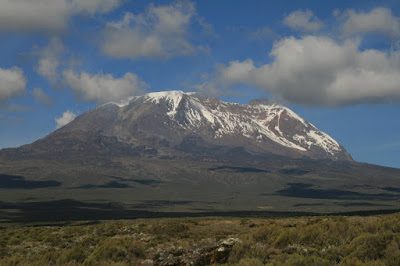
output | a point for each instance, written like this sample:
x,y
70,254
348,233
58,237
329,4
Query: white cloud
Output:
x,y
64,119
319,71
262,34
161,31
104,87
12,82
47,15
303,20
49,60
378,20
41,96
92,7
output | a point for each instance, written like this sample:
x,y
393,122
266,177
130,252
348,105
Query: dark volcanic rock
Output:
x,y
217,253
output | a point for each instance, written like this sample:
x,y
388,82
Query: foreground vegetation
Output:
x,y
371,240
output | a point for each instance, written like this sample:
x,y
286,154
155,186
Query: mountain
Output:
x,y
173,123
176,151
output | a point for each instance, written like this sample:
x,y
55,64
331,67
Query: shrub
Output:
x,y
250,262
287,237
369,246
300,260
77,254
117,249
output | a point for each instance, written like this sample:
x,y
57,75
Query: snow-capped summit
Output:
x,y
170,121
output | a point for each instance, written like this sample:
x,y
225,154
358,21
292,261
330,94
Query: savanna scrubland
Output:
x,y
314,240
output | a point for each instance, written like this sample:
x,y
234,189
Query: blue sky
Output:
x,y
335,63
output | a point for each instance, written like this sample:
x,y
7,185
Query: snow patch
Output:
x,y
324,141
173,98
261,122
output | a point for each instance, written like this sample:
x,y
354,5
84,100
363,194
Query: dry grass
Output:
x,y
371,240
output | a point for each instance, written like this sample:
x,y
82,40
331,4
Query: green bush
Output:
x,y
287,237
117,249
369,246
250,262
300,260
77,254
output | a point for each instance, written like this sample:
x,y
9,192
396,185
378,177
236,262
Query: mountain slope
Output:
x,y
175,123
175,151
